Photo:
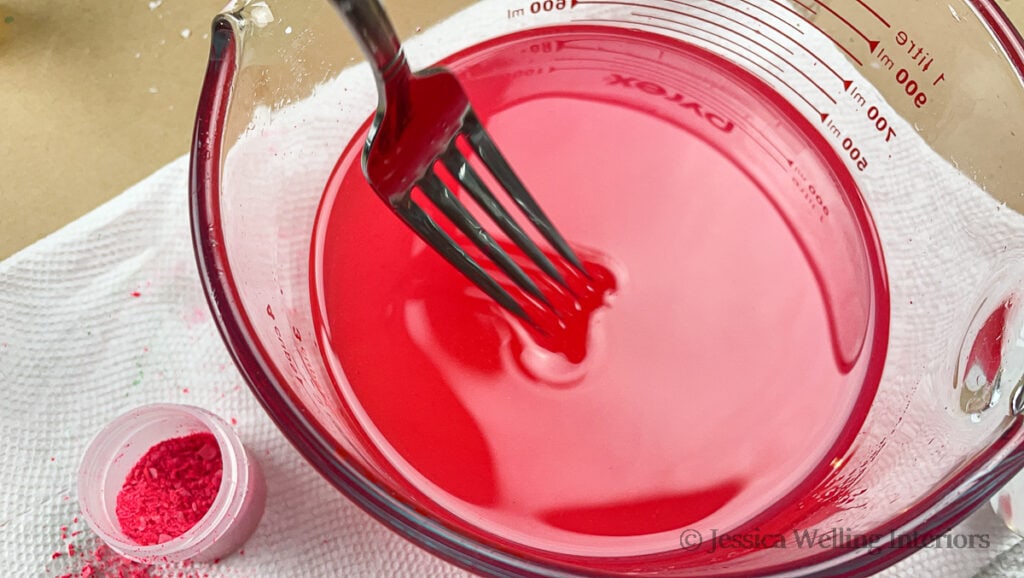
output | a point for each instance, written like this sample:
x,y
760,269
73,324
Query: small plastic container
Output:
x,y
231,519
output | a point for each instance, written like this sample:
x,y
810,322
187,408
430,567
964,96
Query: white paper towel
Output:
x,y
108,314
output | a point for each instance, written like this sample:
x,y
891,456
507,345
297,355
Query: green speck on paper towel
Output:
x,y
8,19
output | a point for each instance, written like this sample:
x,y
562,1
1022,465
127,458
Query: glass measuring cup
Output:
x,y
898,120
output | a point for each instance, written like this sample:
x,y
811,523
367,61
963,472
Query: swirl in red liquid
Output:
x,y
726,351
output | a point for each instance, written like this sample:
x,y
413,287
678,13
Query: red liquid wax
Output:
x,y
742,329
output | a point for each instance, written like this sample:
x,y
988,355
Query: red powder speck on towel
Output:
x,y
87,557
103,563
170,488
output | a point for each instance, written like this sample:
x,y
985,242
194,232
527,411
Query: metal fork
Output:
x,y
419,121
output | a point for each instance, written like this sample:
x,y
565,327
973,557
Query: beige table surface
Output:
x,y
96,95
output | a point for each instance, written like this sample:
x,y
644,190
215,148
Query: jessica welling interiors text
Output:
x,y
713,540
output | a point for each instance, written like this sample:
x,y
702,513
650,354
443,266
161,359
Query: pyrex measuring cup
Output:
x,y
884,135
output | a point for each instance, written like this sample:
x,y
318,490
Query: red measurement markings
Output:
x,y
634,69
720,106
772,14
815,55
834,41
786,161
716,35
754,18
788,8
710,33
636,63
804,6
846,83
727,18
751,40
763,143
590,47
753,63
723,108
873,13
790,87
871,43
683,13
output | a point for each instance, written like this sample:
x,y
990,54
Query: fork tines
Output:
x,y
445,200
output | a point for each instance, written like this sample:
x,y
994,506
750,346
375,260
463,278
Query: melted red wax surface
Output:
x,y
700,385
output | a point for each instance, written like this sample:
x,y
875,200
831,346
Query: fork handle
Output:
x,y
372,28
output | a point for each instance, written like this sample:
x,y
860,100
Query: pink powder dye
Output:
x,y
170,489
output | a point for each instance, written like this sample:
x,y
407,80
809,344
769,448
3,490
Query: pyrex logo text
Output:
x,y
713,118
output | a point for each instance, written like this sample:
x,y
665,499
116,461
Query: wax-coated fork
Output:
x,y
420,119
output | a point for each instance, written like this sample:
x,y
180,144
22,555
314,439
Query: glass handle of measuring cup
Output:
x,y
991,378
